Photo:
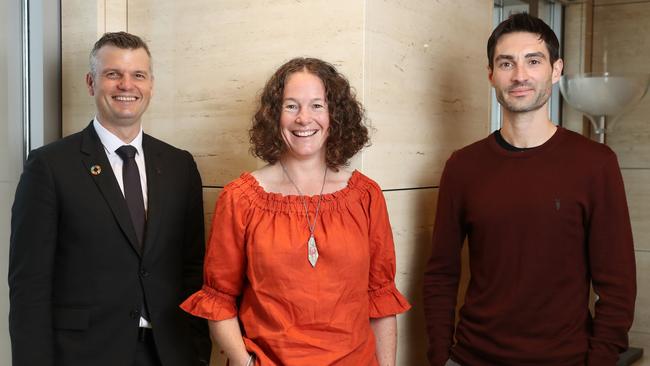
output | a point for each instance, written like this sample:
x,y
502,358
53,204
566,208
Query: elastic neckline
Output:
x,y
353,182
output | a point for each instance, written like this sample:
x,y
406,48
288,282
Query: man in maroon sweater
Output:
x,y
545,215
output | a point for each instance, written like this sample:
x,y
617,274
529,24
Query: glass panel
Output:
x,y
11,142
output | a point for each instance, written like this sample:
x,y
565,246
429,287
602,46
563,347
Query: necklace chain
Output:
x,y
310,226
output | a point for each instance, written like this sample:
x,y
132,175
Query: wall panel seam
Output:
x,y
623,3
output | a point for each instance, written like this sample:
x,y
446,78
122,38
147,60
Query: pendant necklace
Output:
x,y
312,249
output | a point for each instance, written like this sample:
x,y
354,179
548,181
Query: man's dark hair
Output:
x,y
523,22
123,40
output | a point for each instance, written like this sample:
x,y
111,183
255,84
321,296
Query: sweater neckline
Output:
x,y
558,136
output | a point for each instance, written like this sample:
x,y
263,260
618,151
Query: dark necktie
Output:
x,y
133,190
134,199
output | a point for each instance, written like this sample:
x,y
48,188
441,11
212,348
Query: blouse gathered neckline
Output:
x,y
250,187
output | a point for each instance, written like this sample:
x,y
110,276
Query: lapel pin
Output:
x,y
95,170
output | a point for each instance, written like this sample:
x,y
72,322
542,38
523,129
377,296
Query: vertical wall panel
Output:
x,y
115,12
621,43
638,198
411,215
426,86
642,311
82,22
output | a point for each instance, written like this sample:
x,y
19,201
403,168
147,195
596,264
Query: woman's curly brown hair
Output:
x,y
347,131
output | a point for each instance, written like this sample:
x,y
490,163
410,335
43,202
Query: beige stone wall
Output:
x,y
418,67
621,43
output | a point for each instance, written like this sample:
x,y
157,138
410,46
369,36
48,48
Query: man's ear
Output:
x,y
490,74
90,84
558,66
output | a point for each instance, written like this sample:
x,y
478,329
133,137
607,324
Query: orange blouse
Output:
x,y
291,313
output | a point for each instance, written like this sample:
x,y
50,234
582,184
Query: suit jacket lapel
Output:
x,y
155,197
94,157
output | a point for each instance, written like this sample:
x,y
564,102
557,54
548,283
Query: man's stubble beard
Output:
x,y
540,100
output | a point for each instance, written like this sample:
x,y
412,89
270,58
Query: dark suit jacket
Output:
x,y
76,276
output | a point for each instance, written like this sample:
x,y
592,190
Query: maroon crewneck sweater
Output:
x,y
540,225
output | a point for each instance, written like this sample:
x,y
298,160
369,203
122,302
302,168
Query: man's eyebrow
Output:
x,y
535,54
118,70
504,57
528,55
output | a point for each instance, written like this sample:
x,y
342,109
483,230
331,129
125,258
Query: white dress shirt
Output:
x,y
112,143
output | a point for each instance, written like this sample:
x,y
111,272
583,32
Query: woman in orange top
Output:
x,y
300,265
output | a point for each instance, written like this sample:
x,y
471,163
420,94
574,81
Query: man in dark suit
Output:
x,y
107,234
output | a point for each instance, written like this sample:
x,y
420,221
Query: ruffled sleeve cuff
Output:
x,y
211,304
387,301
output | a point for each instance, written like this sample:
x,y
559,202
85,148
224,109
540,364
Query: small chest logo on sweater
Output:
x,y
557,204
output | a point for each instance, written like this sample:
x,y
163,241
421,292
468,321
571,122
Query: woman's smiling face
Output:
x,y
304,119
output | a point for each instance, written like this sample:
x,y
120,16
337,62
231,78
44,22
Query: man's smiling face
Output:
x,y
122,85
522,75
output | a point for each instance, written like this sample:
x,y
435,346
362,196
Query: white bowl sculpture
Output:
x,y
603,97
